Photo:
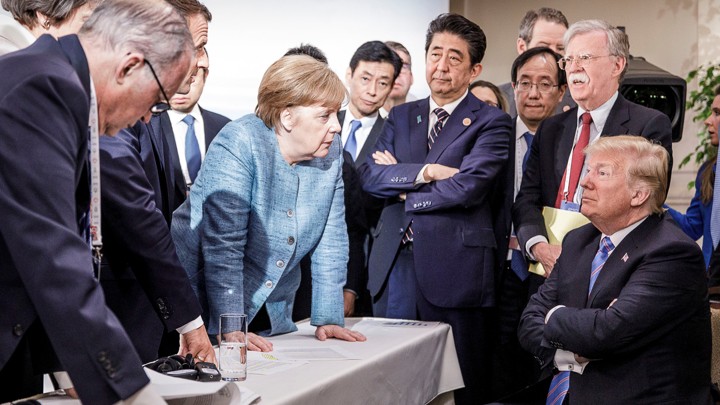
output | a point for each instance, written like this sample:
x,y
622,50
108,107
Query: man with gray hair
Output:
x,y
58,97
544,27
624,316
596,55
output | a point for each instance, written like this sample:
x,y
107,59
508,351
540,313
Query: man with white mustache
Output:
x,y
595,61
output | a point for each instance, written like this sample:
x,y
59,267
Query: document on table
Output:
x,y
291,353
267,364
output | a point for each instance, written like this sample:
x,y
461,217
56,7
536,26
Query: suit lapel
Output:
x,y
169,136
371,139
622,258
579,272
453,128
565,143
418,131
619,115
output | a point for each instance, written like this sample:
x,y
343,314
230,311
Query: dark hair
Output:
x,y
376,51
23,11
458,25
187,8
502,103
398,47
527,25
707,179
309,50
524,57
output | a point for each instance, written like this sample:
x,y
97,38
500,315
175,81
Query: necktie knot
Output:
x,y
189,120
606,245
586,118
441,114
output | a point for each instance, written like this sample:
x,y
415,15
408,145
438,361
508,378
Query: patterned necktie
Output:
x,y
578,158
442,116
351,143
192,149
715,213
528,140
561,381
606,246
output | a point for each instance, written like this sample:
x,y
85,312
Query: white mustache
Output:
x,y
578,77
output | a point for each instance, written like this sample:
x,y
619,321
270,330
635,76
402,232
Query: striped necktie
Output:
x,y
442,116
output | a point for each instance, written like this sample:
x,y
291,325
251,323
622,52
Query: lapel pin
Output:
x,y
419,119
625,258
467,122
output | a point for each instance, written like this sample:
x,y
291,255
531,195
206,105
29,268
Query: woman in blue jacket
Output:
x,y
696,220
270,192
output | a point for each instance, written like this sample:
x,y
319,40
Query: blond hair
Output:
x,y
645,164
297,80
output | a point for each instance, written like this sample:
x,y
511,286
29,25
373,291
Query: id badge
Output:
x,y
569,206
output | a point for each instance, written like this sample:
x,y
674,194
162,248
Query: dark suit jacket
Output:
x,y
551,149
213,123
144,282
453,219
45,265
653,344
369,144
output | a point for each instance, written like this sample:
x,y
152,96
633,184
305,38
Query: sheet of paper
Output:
x,y
291,353
267,364
558,223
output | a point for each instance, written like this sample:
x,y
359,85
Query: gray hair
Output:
x,y
24,11
151,27
527,25
617,40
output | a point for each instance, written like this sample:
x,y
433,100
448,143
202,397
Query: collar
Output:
x,y
367,121
618,236
520,128
449,107
176,116
600,114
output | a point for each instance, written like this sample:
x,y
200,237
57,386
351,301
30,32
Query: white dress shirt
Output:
x,y
180,130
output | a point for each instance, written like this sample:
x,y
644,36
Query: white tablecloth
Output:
x,y
399,365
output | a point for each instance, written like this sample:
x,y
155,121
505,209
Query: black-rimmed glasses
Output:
x,y
161,107
542,87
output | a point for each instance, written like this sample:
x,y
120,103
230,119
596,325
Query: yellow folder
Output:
x,y
558,223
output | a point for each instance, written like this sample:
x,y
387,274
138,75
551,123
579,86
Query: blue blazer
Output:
x,y
250,219
696,220
453,220
46,274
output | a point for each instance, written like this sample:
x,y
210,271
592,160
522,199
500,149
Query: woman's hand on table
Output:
x,y
258,343
338,332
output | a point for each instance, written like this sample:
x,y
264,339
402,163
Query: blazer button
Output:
x,y
290,213
268,284
291,240
280,264
18,330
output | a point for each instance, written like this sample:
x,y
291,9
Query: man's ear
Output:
x,y
348,75
129,64
521,46
639,197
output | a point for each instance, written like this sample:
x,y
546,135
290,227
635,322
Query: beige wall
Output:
x,y
667,33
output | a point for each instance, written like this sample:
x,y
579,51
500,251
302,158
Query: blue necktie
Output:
x,y
715,214
517,262
561,381
192,148
351,143
528,140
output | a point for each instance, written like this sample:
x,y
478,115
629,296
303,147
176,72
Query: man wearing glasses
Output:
x,y
595,61
143,280
538,85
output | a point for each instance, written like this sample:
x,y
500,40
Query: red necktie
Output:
x,y
578,158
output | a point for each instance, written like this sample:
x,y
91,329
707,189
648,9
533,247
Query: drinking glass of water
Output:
x,y
233,347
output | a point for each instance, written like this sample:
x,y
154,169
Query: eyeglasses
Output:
x,y
542,87
160,107
581,60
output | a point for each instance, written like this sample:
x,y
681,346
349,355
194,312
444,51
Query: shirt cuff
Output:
x,y
63,380
532,242
192,325
420,179
565,361
350,290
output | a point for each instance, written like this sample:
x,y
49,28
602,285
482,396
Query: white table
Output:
x,y
399,365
